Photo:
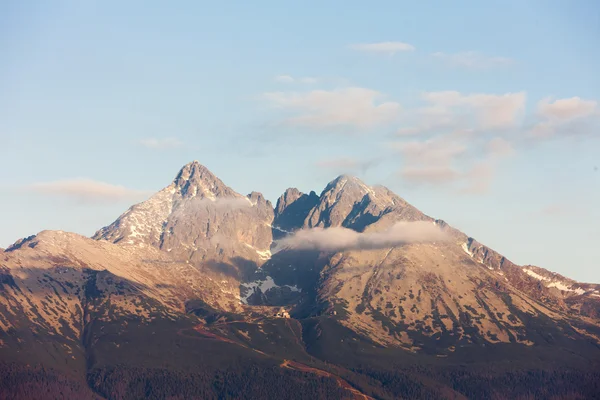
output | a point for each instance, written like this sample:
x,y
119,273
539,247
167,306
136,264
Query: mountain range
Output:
x,y
202,292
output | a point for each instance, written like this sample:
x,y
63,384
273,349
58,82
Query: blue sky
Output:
x,y
484,114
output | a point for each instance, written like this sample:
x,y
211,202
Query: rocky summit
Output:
x,y
202,292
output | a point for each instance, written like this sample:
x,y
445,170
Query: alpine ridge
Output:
x,y
185,296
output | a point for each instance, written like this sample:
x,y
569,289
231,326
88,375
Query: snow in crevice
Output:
x,y
264,285
465,248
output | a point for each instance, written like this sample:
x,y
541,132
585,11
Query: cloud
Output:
x,y
219,204
290,79
564,116
344,164
566,109
499,147
440,150
446,111
284,79
487,111
353,107
383,47
164,143
467,164
342,239
87,190
472,60
478,178
430,161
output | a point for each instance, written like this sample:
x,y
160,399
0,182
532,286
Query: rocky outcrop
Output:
x,y
291,210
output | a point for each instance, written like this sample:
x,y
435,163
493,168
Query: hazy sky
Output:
x,y
481,113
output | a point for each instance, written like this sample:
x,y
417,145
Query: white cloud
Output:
x,y
383,47
446,111
464,163
88,190
284,79
158,143
566,109
489,111
342,239
437,151
219,204
290,79
345,164
564,116
499,147
472,60
353,106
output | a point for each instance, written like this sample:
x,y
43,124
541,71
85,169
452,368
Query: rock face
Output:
x,y
199,219
291,210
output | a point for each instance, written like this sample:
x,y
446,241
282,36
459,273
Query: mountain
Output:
x,y
201,292
196,218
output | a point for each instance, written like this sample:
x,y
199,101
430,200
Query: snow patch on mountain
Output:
x,y
535,275
264,285
465,247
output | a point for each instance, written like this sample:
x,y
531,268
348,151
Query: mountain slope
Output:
x,y
181,297
437,295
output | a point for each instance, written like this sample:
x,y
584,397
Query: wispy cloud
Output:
x,y
456,161
555,209
436,151
564,117
160,143
383,47
345,164
87,190
284,79
342,239
446,111
566,109
353,107
486,111
499,147
472,60
218,204
291,79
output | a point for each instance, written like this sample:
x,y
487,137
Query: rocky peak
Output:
x,y
197,218
337,201
194,179
346,183
287,198
291,210
258,198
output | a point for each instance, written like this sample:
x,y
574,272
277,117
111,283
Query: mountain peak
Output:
x,y
347,183
195,178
